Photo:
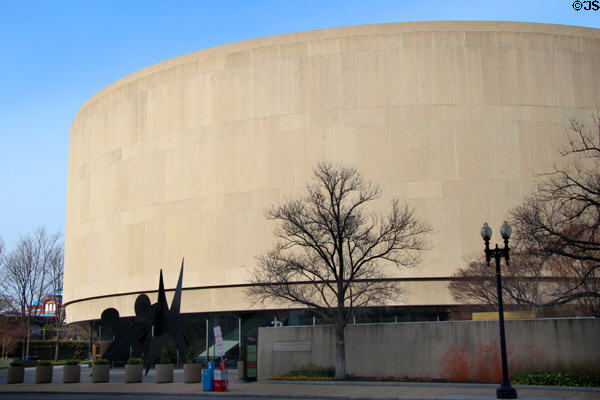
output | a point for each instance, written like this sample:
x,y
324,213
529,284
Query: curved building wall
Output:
x,y
181,159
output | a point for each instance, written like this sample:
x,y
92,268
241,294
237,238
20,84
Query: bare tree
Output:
x,y
529,280
557,253
6,303
477,282
11,331
25,273
55,279
562,220
331,254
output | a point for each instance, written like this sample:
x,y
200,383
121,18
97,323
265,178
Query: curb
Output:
x,y
220,395
437,385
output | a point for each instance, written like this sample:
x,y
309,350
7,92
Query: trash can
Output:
x,y
207,380
220,382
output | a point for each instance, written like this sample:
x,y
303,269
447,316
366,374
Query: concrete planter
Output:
x,y
15,374
133,373
43,374
100,373
164,373
71,373
192,373
240,368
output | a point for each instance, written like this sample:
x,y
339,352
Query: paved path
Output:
x,y
308,390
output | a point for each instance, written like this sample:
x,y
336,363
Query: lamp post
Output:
x,y
505,391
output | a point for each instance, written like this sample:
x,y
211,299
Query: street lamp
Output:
x,y
505,391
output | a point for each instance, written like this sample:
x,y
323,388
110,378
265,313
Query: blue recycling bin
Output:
x,y
208,383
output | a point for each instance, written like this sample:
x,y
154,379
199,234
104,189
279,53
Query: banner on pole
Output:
x,y
219,341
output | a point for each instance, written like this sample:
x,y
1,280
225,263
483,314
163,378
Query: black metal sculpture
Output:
x,y
152,324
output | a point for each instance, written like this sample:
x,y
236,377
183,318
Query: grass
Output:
x,y
311,372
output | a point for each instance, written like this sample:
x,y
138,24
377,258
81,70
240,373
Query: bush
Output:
x,y
101,361
135,361
164,358
72,362
558,379
72,349
190,355
310,372
44,363
17,363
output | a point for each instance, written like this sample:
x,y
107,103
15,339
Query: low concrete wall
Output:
x,y
456,350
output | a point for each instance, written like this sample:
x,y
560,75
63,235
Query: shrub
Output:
x,y
479,364
135,361
190,355
17,363
164,358
72,362
558,379
310,372
456,364
101,361
44,363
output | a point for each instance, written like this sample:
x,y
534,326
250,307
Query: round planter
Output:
x,y
71,373
192,373
164,373
15,374
100,373
43,374
133,373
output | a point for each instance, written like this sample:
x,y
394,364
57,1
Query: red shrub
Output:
x,y
456,364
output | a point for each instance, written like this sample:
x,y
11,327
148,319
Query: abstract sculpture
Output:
x,y
166,322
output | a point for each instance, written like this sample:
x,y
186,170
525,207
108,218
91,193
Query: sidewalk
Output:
x,y
309,390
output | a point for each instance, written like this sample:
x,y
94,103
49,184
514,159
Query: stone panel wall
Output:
x,y
434,350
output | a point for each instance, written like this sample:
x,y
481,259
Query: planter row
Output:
x,y
192,373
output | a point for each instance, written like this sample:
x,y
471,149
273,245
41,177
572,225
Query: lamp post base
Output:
x,y
506,392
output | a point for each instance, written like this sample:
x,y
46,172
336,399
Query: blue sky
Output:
x,y
57,54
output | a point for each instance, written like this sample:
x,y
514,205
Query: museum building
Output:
x,y
183,158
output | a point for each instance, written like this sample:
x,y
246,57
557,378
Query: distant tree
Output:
x,y
55,283
24,275
6,303
556,256
12,330
529,280
332,253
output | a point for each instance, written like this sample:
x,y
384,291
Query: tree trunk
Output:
x,y
28,337
58,317
56,347
340,353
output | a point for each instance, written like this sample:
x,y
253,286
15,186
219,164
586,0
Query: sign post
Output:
x,y
221,383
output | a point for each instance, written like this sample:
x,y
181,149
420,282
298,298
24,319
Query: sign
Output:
x,y
219,341
250,352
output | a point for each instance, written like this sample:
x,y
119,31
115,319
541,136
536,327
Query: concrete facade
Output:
x,y
182,158
433,350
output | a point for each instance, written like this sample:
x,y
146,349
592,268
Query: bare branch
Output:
x,y
330,252
557,231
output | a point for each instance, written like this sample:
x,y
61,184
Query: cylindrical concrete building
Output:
x,y
182,158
